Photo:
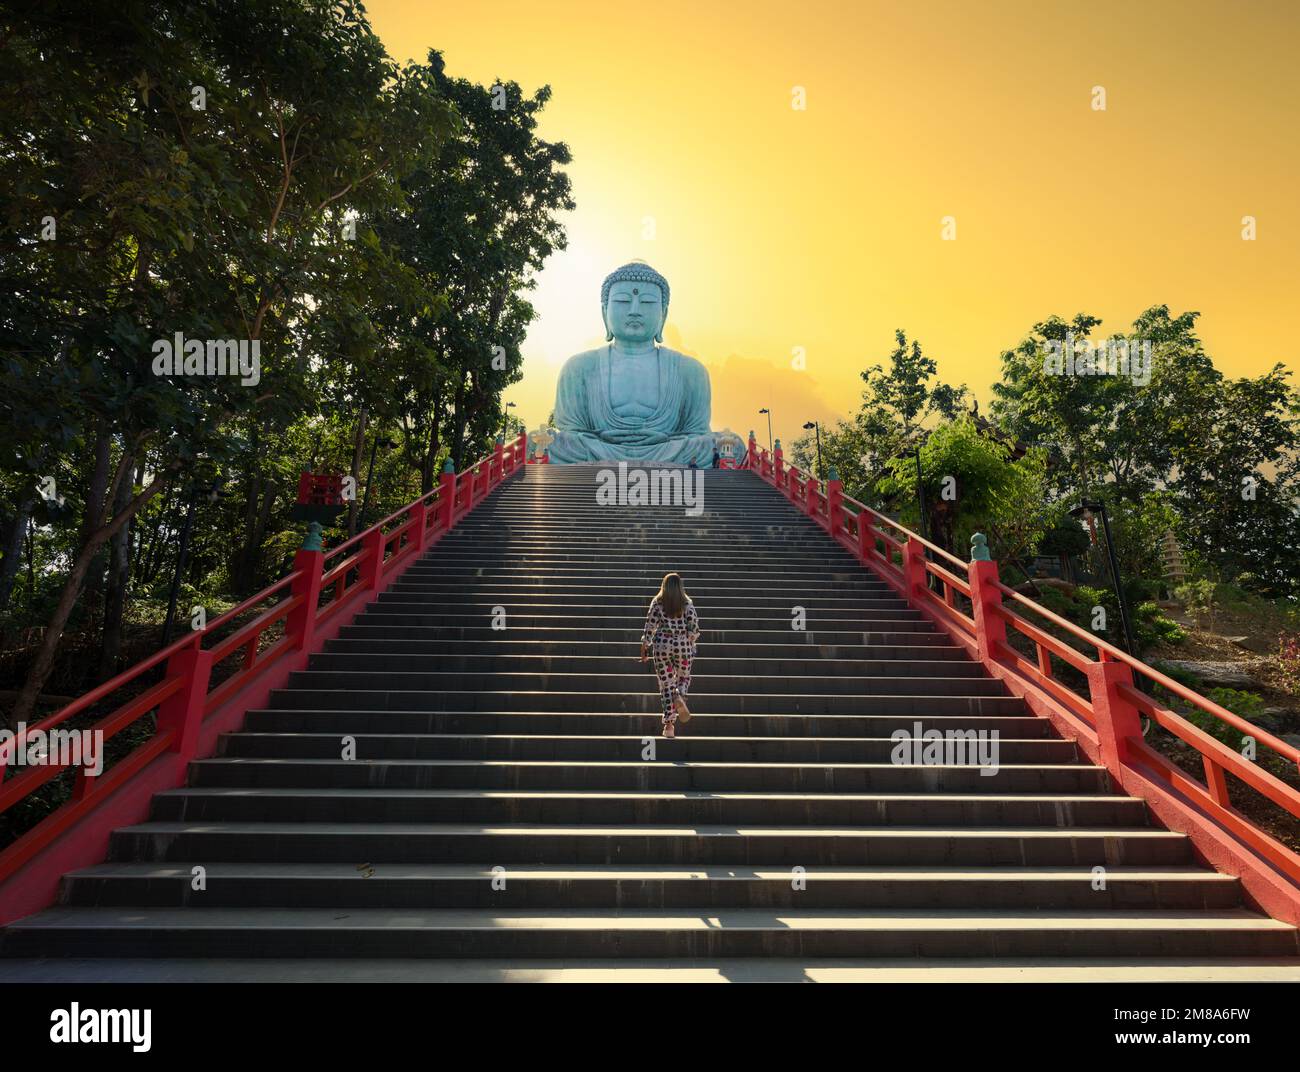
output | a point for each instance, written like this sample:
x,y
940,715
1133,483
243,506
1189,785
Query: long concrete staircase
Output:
x,y
511,807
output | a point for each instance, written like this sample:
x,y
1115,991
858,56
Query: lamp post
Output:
x,y
387,444
769,428
505,418
1096,506
817,428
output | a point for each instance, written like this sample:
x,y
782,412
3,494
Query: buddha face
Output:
x,y
634,312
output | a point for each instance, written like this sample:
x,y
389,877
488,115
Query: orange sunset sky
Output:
x,y
821,228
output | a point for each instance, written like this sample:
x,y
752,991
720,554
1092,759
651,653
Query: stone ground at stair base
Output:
x,y
522,749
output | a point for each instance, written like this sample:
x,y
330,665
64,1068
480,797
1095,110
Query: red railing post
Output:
x,y
778,466
496,467
309,565
834,502
990,627
447,495
751,457
419,530
811,490
913,569
372,559
866,535
1116,720
182,711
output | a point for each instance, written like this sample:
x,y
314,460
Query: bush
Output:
x,y
1288,661
1199,597
1150,625
1244,704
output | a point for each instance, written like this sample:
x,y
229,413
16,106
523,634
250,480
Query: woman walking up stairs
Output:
x,y
672,630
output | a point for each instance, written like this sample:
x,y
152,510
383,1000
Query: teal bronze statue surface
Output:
x,y
633,399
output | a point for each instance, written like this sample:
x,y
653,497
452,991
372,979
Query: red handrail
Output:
x,y
1106,722
187,695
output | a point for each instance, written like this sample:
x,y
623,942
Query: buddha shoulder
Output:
x,y
692,369
582,364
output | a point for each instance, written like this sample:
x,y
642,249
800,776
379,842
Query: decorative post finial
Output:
x,y
448,466
832,473
979,548
312,540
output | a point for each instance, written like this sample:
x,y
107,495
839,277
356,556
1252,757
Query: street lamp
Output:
x,y
387,444
769,428
818,429
1096,506
505,417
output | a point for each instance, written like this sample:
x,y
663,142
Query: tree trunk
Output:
x,y
96,494
358,448
119,575
458,426
427,475
249,551
40,670
13,549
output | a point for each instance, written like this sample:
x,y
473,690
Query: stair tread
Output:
x,y
579,872
639,764
137,918
275,829
638,794
399,735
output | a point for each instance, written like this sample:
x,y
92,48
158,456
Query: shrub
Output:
x,y
1288,661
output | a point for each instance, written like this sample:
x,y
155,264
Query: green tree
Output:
x,y
216,222
972,484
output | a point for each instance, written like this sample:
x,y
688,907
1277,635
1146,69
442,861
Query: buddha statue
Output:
x,y
633,399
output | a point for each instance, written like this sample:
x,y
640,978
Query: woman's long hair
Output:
x,y
672,595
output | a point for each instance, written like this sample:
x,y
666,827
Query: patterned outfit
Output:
x,y
671,642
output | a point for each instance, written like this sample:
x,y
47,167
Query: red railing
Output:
x,y
206,670
970,602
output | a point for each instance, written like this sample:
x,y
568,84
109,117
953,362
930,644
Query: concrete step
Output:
x,y
642,970
694,747
757,642
666,886
817,623
336,721
496,645
707,665
597,601
885,681
665,772
676,933
875,702
511,844
576,807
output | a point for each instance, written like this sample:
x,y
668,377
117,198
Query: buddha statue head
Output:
x,y
634,304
